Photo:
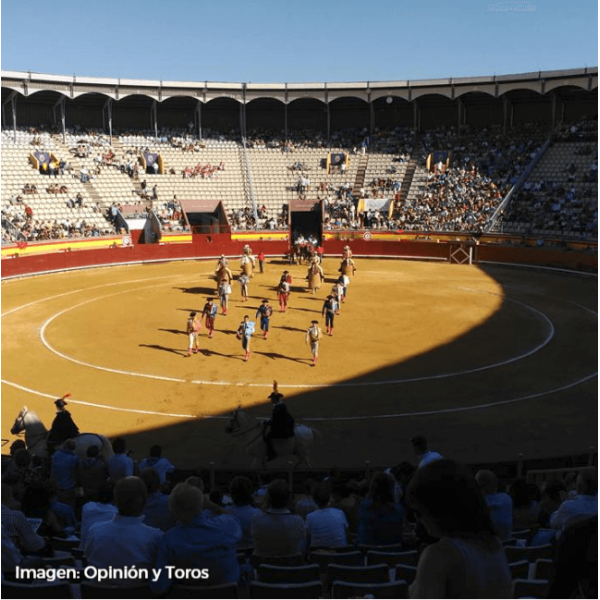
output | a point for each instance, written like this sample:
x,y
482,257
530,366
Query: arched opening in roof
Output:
x,y
86,112
176,113
436,111
575,104
526,106
221,116
265,115
349,113
307,114
35,110
391,112
481,109
133,114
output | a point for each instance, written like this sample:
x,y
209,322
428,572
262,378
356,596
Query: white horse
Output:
x,y
249,430
36,436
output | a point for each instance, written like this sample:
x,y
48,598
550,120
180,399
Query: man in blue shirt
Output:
x,y
202,541
501,505
124,541
65,464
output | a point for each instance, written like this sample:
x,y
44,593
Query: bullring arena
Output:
x,y
488,360
119,196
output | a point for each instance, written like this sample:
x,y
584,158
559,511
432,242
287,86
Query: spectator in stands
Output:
x,y
553,493
200,540
243,508
95,511
585,503
526,510
380,519
65,464
156,461
344,497
124,540
156,511
424,456
16,525
20,471
278,532
119,465
576,560
83,175
468,561
500,503
307,504
326,527
35,504
64,513
11,557
92,473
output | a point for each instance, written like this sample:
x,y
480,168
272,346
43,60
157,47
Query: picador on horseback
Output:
x,y
281,424
63,426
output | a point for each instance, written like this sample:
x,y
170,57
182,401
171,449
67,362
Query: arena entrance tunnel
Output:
x,y
487,361
306,218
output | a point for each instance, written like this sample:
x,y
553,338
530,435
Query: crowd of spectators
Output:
x,y
206,171
483,166
21,224
459,521
170,214
243,219
566,202
462,197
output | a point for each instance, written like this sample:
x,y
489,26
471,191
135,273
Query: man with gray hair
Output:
x,y
124,541
500,503
278,532
201,540
585,503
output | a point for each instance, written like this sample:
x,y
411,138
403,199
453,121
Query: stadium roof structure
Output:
x,y
542,82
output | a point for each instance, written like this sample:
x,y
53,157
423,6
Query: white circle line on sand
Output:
x,y
95,287
459,408
92,366
346,384
360,418
105,406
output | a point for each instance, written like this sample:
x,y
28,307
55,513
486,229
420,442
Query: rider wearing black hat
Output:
x,y
281,423
63,426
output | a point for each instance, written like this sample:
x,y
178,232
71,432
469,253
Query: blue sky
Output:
x,y
312,40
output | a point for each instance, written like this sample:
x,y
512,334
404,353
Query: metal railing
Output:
x,y
13,230
515,188
248,172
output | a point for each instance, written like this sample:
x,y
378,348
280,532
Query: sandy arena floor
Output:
x,y
486,361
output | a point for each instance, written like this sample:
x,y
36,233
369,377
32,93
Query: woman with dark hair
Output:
x,y
243,507
380,519
526,510
468,561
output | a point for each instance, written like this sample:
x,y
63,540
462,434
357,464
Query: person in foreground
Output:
x,y
468,561
200,540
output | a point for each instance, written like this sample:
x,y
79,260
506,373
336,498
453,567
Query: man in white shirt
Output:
x,y
156,461
585,503
326,527
424,456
